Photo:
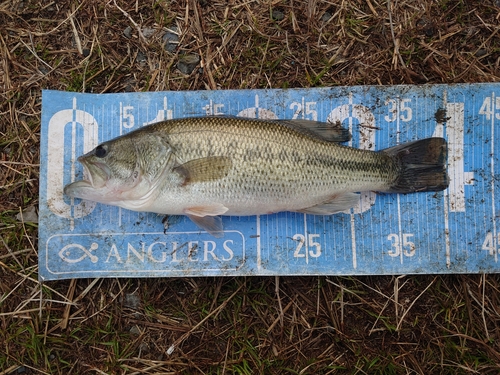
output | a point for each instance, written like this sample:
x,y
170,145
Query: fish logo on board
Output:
x,y
69,255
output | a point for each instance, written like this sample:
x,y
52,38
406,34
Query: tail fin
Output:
x,y
422,166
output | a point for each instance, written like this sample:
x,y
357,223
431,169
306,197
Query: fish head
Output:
x,y
118,172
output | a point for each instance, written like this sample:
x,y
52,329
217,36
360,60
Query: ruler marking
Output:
x,y
351,213
306,239
121,131
492,140
257,106
446,199
473,135
468,176
446,229
73,160
353,237
398,196
325,247
259,249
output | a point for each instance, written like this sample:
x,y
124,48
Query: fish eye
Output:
x,y
100,151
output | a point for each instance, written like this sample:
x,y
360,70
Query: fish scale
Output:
x,y
264,169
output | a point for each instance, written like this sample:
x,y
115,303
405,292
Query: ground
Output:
x,y
245,325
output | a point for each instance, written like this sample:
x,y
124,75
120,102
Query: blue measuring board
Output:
x,y
453,231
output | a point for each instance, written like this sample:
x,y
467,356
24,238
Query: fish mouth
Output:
x,y
77,189
95,173
95,176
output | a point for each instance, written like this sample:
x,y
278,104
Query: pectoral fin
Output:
x,y
204,169
339,203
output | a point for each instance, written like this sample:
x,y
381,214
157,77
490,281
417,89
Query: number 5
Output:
x,y
127,116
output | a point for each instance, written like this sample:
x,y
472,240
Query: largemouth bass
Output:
x,y
210,166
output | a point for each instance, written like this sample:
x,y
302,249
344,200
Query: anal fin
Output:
x,y
207,217
212,224
206,210
338,203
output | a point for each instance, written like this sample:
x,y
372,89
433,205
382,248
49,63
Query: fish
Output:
x,y
205,167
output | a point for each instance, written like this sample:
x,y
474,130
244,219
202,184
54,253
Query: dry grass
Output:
x,y
325,325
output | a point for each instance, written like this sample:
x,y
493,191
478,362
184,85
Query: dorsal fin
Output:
x,y
317,129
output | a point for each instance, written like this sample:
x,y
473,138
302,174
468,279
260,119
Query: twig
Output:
x,y
273,324
395,41
177,342
396,295
141,35
58,26
411,305
12,254
71,293
483,277
34,53
277,291
75,34
372,8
